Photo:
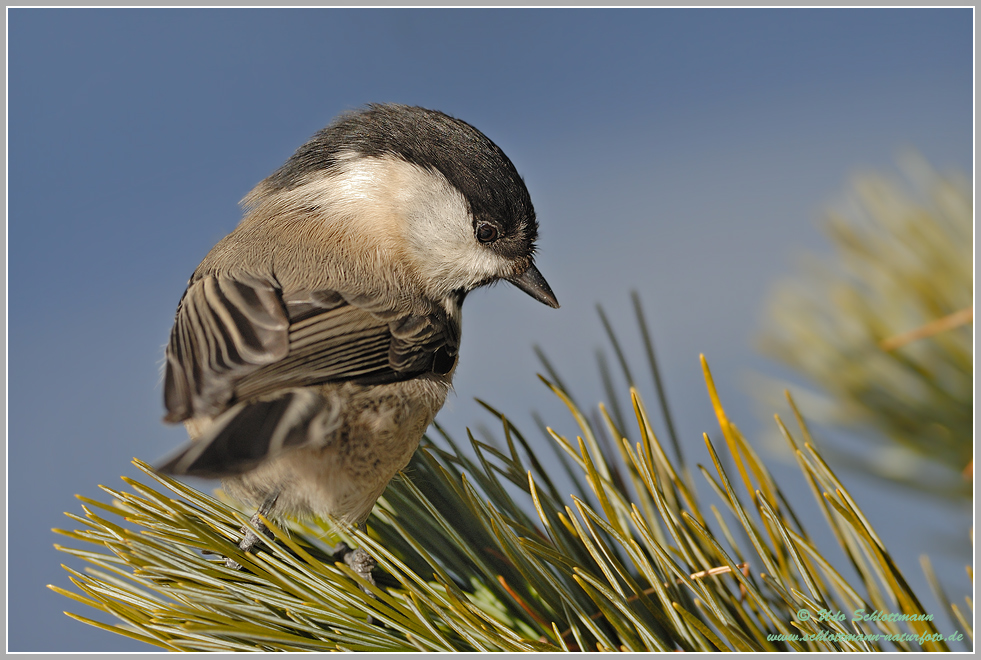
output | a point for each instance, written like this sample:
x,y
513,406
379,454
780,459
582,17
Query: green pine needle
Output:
x,y
466,564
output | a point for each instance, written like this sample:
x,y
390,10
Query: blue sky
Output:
x,y
687,154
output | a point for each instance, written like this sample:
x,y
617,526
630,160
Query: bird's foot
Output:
x,y
361,563
250,540
358,560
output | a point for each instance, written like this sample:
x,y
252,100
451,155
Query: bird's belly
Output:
x,y
342,477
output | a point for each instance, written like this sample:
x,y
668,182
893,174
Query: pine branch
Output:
x,y
483,554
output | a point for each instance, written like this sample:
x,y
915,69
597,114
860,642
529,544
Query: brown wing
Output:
x,y
225,329
237,339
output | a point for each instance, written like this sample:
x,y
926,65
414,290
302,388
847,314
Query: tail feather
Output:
x,y
250,433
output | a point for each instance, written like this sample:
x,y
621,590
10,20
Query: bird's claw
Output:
x,y
358,560
250,540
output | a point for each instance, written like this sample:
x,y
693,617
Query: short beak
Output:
x,y
532,283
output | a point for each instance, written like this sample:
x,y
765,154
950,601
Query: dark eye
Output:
x,y
486,232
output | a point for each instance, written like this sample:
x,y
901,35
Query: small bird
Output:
x,y
316,343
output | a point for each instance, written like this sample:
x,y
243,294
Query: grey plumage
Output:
x,y
316,342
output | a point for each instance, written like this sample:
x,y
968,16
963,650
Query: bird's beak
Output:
x,y
532,283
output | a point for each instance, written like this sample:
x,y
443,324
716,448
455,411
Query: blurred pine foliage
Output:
x,y
883,328
486,554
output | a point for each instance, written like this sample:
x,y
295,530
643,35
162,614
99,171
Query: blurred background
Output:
x,y
691,155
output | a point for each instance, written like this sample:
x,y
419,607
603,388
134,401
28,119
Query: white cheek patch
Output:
x,y
440,237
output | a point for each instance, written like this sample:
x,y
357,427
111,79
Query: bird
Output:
x,y
316,342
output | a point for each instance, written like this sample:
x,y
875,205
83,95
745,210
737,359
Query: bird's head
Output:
x,y
418,187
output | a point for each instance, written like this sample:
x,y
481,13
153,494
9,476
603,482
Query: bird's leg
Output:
x,y
360,562
250,540
358,559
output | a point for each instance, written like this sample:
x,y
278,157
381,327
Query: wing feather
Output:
x,y
225,328
237,339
